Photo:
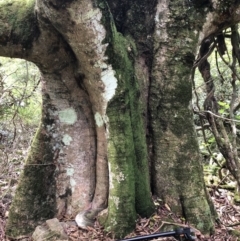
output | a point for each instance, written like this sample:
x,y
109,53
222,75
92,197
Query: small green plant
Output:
x,y
223,108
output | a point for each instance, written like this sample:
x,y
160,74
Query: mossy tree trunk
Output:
x,y
177,171
116,94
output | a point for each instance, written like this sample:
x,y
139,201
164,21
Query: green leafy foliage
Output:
x,y
224,107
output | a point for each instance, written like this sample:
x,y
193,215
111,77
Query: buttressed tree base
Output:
x,y
116,125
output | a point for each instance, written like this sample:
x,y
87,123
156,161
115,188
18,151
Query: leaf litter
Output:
x,y
227,226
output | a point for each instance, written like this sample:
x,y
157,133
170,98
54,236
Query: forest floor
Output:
x,y
12,157
227,227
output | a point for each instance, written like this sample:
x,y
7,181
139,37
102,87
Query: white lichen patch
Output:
x,y
101,119
110,82
105,119
67,140
98,119
120,177
100,64
115,201
110,176
68,116
70,171
72,183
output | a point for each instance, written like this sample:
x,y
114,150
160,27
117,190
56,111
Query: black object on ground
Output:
x,y
181,234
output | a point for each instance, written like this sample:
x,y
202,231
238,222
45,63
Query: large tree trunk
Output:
x,y
177,171
116,94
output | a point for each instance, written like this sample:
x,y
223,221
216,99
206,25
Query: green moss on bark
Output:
x,y
22,19
122,214
127,152
178,176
